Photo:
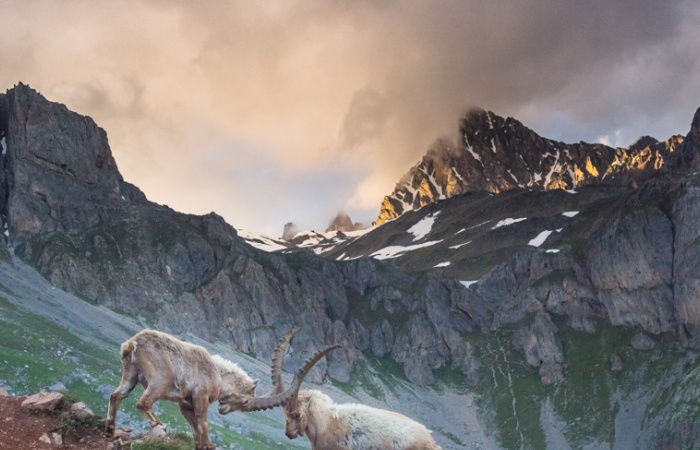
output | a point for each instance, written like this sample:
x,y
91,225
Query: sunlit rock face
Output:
x,y
496,154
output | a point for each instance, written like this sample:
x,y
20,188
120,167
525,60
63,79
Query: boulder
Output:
x,y
541,347
43,401
642,341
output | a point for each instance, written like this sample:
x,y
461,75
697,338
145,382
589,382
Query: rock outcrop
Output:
x,y
497,154
343,223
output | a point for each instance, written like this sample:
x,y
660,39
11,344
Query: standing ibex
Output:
x,y
187,374
331,426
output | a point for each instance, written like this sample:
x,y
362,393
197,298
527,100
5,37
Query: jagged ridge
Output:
x,y
497,154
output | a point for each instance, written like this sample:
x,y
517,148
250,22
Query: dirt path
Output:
x,y
21,429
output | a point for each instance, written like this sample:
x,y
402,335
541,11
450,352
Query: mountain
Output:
x,y
496,155
517,318
70,214
343,223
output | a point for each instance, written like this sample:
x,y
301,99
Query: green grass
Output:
x,y
178,441
511,391
588,399
449,379
93,423
36,353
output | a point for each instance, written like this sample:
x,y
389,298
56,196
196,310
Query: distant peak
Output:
x,y
343,223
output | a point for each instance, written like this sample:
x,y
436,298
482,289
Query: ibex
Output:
x,y
331,426
187,374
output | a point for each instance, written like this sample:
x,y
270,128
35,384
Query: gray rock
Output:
x,y
633,272
79,411
541,347
43,401
615,363
641,341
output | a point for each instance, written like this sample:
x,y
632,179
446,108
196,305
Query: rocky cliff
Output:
x,y
496,154
71,215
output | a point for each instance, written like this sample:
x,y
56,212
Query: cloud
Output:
x,y
270,112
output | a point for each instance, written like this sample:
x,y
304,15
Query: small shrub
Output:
x,y
178,441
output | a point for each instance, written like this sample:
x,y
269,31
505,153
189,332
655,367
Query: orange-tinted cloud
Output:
x,y
270,112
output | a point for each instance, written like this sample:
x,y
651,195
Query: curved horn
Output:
x,y
277,358
271,401
299,377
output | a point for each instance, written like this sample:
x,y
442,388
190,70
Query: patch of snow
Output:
x,y
473,153
572,191
358,233
323,249
423,227
304,234
478,224
569,213
553,250
454,171
463,229
344,257
539,240
394,251
261,242
513,176
506,222
3,143
410,188
468,283
490,121
555,167
493,145
460,245
434,183
443,264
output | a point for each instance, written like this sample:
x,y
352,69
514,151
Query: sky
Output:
x,y
290,111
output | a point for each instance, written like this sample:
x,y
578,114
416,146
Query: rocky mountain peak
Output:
x,y
343,223
688,157
56,162
496,154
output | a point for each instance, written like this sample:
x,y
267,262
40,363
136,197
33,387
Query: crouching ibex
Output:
x,y
331,426
171,369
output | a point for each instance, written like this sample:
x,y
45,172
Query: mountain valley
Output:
x,y
516,292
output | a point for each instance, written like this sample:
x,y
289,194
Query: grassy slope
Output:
x,y
38,352
49,337
593,405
